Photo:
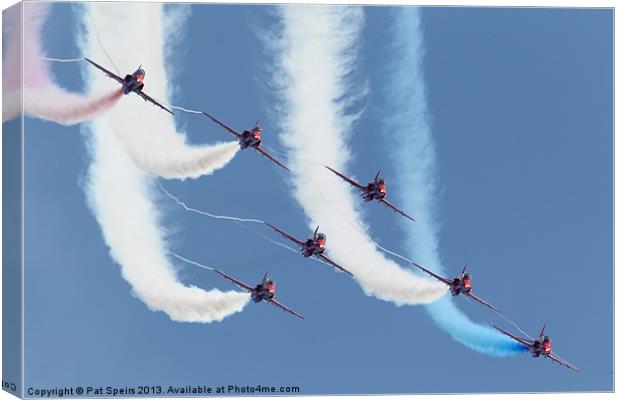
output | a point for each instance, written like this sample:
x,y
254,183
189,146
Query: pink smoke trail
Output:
x,y
74,109
27,79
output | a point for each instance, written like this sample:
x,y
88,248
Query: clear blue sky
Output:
x,y
521,104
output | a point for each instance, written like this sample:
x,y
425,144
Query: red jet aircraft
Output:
x,y
458,285
313,246
540,347
131,83
265,290
375,190
248,139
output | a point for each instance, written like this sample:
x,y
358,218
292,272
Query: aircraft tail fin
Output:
x,y
542,331
377,176
464,269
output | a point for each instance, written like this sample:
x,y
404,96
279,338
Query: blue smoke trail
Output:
x,y
415,155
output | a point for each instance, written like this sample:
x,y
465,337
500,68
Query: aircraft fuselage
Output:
x,y
263,291
541,346
374,190
250,139
133,82
312,247
460,285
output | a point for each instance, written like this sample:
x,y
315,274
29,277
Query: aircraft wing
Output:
x,y
479,300
146,97
522,341
223,125
347,179
285,308
398,210
269,156
236,282
431,273
562,362
105,71
329,260
286,235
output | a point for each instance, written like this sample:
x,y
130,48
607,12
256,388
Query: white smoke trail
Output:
x,y
188,208
63,60
187,260
147,132
316,53
185,109
353,225
120,193
238,221
25,64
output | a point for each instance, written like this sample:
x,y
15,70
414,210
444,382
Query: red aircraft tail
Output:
x,y
542,331
464,268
